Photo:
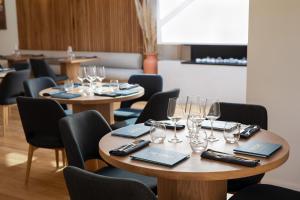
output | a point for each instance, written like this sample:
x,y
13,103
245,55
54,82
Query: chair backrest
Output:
x,y
21,66
40,119
151,83
81,133
157,106
32,87
12,86
41,68
244,113
82,184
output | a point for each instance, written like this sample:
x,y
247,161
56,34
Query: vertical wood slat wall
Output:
x,y
86,25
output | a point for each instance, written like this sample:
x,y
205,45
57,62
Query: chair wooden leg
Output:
x,y
4,109
29,160
64,157
57,158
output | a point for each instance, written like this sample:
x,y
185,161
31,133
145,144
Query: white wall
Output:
x,y
9,37
226,83
274,76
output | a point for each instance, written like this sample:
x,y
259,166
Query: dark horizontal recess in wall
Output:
x,y
215,51
233,55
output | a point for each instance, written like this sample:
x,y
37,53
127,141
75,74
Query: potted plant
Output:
x,y
147,20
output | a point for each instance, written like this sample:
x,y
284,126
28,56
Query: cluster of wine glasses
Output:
x,y
195,110
91,76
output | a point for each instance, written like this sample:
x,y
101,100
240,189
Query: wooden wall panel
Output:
x,y
87,25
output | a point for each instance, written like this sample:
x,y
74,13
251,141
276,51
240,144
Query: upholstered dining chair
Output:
x,y
21,66
81,133
32,87
265,191
10,88
41,68
155,109
40,119
246,114
152,83
83,184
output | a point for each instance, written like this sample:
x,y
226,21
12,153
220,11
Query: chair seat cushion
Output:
x,y
124,123
126,113
8,101
151,182
61,78
263,192
234,185
68,112
45,141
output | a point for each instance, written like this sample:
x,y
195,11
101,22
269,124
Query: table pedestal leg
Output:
x,y
191,190
70,69
106,110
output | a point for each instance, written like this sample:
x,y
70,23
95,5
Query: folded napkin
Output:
x,y
64,95
62,87
46,94
129,148
117,93
250,131
168,125
229,158
127,86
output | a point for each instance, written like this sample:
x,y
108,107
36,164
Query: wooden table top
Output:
x,y
196,168
94,99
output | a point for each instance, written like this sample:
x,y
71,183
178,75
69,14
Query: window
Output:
x,y
204,22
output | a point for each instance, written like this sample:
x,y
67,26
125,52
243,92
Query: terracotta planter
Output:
x,y
150,64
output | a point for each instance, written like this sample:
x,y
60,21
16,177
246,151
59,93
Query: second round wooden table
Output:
x,y
102,104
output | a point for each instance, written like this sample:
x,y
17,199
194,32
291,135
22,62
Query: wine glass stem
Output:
x,y
211,128
175,130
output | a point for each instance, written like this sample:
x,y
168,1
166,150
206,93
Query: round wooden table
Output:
x,y
102,104
194,178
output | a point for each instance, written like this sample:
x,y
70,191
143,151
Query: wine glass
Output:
x,y
81,74
174,113
195,109
213,113
91,75
100,73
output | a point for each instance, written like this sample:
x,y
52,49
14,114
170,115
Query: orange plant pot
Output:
x,y
150,64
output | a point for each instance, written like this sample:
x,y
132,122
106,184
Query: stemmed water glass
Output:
x,y
175,113
91,75
213,113
81,74
100,74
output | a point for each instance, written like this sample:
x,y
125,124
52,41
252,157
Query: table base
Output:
x,y
191,190
70,69
106,110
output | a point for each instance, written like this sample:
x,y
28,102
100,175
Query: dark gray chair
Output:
x,y
152,83
82,185
264,191
40,124
41,68
246,114
32,87
155,109
81,134
21,66
10,88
